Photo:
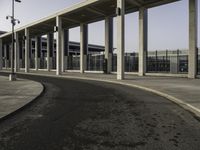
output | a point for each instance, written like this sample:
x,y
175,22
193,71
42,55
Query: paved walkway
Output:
x,y
183,91
14,95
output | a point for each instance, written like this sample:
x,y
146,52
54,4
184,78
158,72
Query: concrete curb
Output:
x,y
181,103
25,105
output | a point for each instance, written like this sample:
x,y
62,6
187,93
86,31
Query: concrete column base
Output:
x,y
141,74
84,65
12,77
66,63
49,66
6,64
37,64
109,63
120,77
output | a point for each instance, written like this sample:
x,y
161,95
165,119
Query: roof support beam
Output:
x,y
159,3
38,32
48,25
135,2
71,20
93,10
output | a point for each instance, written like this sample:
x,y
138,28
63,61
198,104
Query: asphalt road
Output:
x,y
89,115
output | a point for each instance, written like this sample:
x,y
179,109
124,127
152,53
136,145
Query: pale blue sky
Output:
x,y
168,24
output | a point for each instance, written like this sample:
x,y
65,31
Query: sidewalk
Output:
x,y
15,95
183,91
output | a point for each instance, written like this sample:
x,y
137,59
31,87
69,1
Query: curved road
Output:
x,y
89,115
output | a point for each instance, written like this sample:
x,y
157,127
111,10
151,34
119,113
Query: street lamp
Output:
x,y
12,76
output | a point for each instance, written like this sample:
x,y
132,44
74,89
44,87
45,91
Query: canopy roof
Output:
x,y
86,12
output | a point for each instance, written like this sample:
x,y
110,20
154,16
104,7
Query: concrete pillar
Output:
x,y
1,51
109,42
16,52
20,54
30,53
143,40
5,56
193,50
83,47
37,52
27,49
65,49
59,41
49,50
9,55
23,51
120,39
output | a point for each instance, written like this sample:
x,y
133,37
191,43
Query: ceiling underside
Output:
x,y
92,12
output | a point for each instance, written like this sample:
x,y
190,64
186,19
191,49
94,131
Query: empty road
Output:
x,y
90,115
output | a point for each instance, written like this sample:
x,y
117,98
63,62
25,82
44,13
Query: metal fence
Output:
x,y
74,62
167,62
130,60
174,62
95,62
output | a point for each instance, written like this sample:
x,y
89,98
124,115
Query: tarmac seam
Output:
x,y
181,103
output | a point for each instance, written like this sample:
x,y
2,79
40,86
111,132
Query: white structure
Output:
x,y
83,14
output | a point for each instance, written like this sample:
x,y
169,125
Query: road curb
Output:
x,y
25,105
195,111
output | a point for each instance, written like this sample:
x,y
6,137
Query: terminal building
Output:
x,y
56,53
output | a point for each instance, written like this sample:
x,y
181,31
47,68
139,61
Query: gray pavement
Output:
x,y
15,95
183,91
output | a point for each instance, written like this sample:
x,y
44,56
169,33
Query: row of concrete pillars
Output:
x,y
62,46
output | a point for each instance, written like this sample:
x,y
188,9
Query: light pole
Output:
x,y
12,76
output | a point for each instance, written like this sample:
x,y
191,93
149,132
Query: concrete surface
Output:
x,y
15,95
183,91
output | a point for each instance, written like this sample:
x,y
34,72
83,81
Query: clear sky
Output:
x,y
167,28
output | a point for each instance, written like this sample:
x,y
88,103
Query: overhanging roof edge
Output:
x,y
59,13
71,9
